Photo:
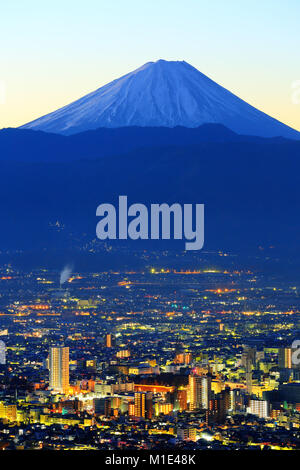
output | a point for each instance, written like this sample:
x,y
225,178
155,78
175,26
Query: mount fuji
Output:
x,y
161,94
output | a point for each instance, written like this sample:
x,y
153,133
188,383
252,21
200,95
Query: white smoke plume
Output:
x,y
65,274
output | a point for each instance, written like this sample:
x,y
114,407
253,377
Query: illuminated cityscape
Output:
x,y
160,357
149,242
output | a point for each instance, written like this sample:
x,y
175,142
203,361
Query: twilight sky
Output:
x,y
54,52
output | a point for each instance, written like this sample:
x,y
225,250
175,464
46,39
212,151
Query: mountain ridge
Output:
x,y
30,145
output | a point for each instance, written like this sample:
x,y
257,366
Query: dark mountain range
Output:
x,y
28,145
250,191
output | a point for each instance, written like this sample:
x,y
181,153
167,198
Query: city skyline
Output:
x,y
149,359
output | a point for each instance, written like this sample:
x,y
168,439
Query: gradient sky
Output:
x,y
55,52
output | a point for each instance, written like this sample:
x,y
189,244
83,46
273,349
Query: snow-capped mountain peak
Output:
x,y
161,94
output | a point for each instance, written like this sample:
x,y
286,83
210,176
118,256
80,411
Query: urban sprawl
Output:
x,y
152,358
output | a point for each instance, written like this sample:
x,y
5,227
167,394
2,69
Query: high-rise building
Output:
x,y
195,392
199,391
218,407
102,406
109,340
59,369
181,399
183,358
248,361
131,409
248,356
140,404
285,358
205,391
163,408
249,379
143,405
237,400
259,408
149,405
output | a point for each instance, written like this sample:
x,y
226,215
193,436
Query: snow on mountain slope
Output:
x,y
161,94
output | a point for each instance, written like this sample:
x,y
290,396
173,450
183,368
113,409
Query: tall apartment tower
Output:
x,y
248,360
199,391
109,340
194,392
59,369
249,378
285,358
143,405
